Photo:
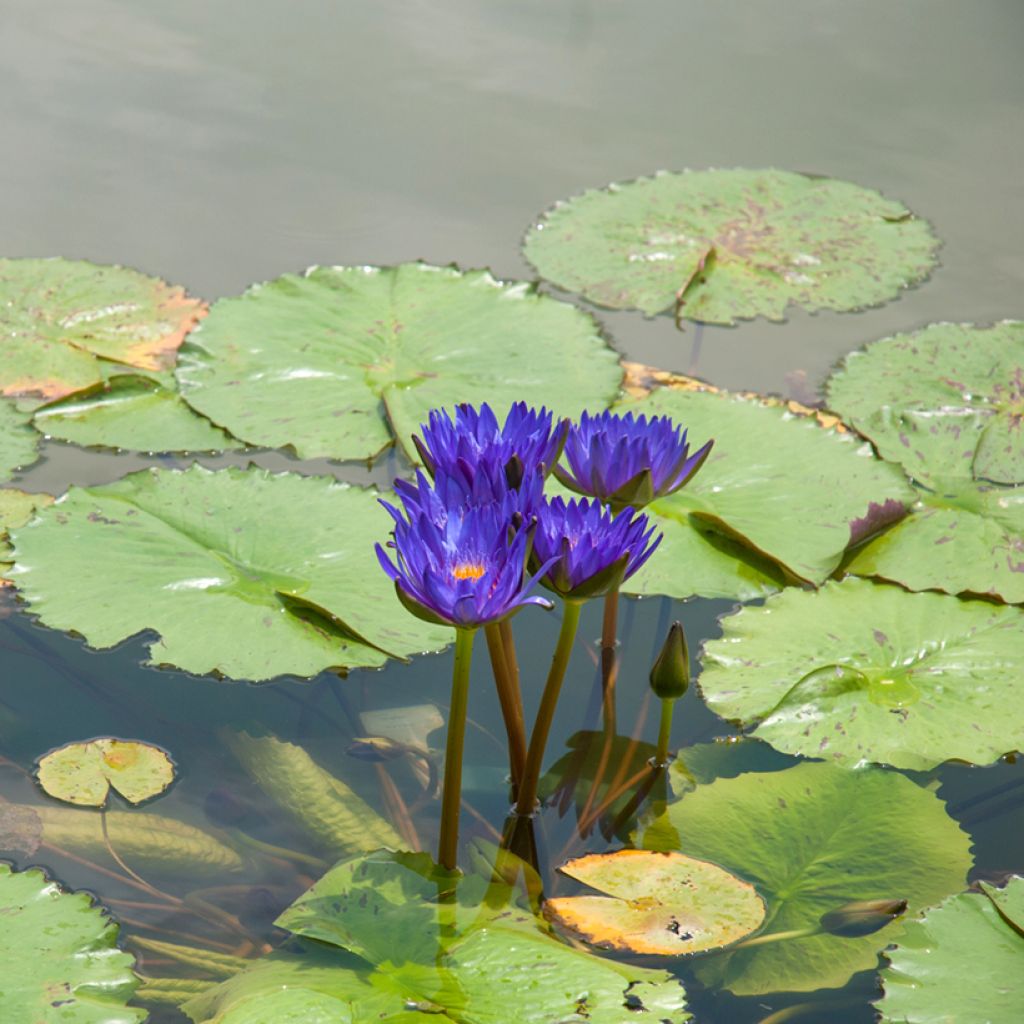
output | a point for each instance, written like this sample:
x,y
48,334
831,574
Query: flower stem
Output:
x,y
609,658
448,843
664,732
546,711
509,643
511,702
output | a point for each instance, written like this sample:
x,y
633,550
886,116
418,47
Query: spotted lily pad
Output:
x,y
782,497
968,936
84,773
339,362
813,838
58,956
19,442
862,672
663,903
60,318
725,245
241,572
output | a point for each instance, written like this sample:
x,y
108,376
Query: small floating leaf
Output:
x,y
84,773
729,245
776,483
58,956
662,903
341,361
60,318
866,672
243,572
813,838
966,937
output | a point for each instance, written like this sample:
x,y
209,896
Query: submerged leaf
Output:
x,y
966,937
726,245
242,572
342,361
664,903
60,318
84,773
863,672
58,956
813,838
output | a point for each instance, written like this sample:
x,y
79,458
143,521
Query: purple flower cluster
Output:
x,y
474,538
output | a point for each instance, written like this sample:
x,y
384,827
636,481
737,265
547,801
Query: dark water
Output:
x,y
220,144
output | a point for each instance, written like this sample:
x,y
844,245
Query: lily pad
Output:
x,y
812,838
725,245
244,573
966,937
58,956
133,412
860,672
16,509
84,773
19,442
60,318
662,903
965,387
788,491
341,361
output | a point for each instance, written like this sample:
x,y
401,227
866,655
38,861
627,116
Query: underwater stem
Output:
x,y
448,843
546,711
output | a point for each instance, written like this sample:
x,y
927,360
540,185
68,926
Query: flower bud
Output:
x,y
670,675
862,917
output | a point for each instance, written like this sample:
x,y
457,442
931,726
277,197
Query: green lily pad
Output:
x,y
660,903
788,491
725,245
16,509
966,937
19,442
860,672
60,318
966,386
244,573
133,412
341,361
459,947
58,956
84,773
812,838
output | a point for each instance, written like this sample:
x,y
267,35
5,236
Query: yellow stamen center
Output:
x,y
468,571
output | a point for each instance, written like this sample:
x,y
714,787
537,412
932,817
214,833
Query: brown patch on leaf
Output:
x,y
180,313
48,389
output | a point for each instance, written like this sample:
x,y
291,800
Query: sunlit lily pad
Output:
x,y
60,318
19,442
241,572
341,361
966,383
84,773
861,672
59,958
727,245
812,838
133,412
793,494
962,961
16,509
662,903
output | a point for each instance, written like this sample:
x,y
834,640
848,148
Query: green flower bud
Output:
x,y
862,917
670,675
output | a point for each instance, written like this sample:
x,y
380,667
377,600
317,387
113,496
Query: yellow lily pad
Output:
x,y
661,903
84,773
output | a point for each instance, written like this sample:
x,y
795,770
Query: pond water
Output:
x,y
220,144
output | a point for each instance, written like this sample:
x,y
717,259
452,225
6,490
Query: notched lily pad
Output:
x,y
19,442
60,318
340,362
16,509
725,245
861,672
84,773
661,903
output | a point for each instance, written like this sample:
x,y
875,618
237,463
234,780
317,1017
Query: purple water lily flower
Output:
x,y
588,550
465,568
627,460
528,440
